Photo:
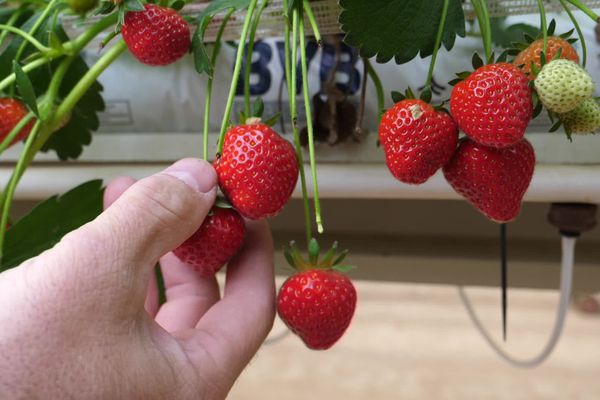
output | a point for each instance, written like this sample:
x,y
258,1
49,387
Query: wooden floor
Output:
x,y
412,341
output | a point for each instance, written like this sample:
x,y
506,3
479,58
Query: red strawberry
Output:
x,y
11,112
493,105
492,180
157,35
318,302
257,170
417,140
317,305
218,239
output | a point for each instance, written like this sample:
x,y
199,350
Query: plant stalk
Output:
x,y
209,83
309,124
291,61
236,75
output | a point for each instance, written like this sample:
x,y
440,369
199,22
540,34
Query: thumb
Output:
x,y
149,219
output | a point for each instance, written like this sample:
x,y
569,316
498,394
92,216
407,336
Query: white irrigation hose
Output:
x,y
566,279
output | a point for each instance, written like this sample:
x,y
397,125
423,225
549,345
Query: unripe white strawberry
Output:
x,y
583,119
562,85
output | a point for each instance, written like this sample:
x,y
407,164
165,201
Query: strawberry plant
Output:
x,y
50,99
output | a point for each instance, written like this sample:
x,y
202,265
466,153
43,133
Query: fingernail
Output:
x,y
197,174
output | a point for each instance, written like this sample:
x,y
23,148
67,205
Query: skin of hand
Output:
x,y
82,321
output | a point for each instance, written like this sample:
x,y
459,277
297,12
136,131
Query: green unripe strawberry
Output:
x,y
82,6
562,85
583,119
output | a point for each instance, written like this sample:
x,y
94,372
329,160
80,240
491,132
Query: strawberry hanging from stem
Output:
x,y
318,302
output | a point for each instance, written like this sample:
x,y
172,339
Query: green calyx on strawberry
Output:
x,y
217,241
257,169
155,35
318,302
492,105
493,180
256,115
562,85
417,138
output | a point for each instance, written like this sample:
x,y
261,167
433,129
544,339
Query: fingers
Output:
x,y
234,328
153,216
189,295
115,189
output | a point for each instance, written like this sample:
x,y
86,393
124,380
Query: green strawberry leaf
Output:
x,y
313,251
26,89
344,268
397,96
568,34
476,61
551,27
177,5
218,6
67,142
258,108
399,29
341,257
133,5
201,59
426,94
49,221
273,120
510,35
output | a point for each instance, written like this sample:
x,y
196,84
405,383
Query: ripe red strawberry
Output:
x,y
317,305
11,112
257,170
417,140
493,105
218,239
157,35
492,180
318,302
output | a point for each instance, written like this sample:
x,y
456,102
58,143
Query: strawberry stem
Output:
x,y
579,33
249,50
74,46
438,43
209,83
378,86
11,22
34,29
588,11
26,68
236,75
12,184
28,38
291,61
71,100
313,22
309,125
15,131
543,24
483,18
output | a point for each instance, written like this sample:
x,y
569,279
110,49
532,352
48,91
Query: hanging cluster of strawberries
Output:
x,y
257,169
257,172
493,165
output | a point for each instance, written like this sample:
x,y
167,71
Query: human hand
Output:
x,y
82,319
